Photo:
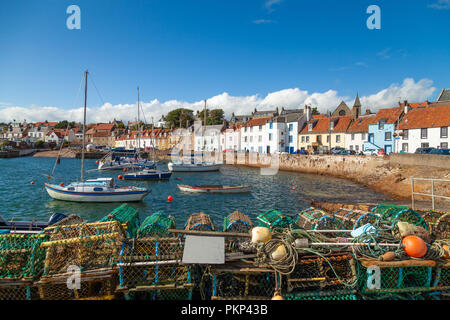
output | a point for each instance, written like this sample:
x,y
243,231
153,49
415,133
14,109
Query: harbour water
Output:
x,y
22,200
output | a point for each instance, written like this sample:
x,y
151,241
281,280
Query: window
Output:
x,y
331,125
98,189
71,188
405,147
260,139
351,147
291,127
405,134
328,139
245,139
424,133
270,137
303,138
381,125
319,139
310,126
251,129
307,139
342,113
260,128
245,129
338,138
251,138
425,145
357,148
444,145
270,125
290,139
388,136
363,136
353,137
259,149
444,132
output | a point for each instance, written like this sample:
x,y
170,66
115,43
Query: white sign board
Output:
x,y
204,250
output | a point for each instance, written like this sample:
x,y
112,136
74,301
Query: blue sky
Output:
x,y
187,51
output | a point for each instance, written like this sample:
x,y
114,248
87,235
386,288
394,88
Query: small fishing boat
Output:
x,y
95,190
113,161
214,188
193,167
148,175
29,226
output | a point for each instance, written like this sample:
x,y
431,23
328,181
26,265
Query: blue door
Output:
x,y
371,137
388,148
268,149
291,150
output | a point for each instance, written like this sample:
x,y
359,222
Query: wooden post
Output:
x,y
412,193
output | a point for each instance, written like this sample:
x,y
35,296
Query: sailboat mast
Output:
x,y
204,128
84,126
138,124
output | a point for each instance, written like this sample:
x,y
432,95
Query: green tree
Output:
x,y
120,125
39,144
176,116
314,111
63,124
213,117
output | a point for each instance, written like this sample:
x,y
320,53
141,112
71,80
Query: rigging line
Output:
x,y
98,92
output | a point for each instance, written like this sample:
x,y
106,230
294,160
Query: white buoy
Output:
x,y
261,234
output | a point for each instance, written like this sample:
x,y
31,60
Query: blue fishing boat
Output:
x,y
148,175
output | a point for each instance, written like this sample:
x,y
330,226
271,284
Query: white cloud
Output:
x,y
263,21
441,5
289,98
270,3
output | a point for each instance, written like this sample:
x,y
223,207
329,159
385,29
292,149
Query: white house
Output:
x,y
287,127
53,136
255,136
231,139
37,133
207,138
423,127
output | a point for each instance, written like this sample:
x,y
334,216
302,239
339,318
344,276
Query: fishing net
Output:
x,y
323,295
396,213
93,285
150,268
242,285
21,256
200,222
156,225
275,220
364,219
71,219
88,246
127,216
348,216
18,292
441,277
237,222
376,277
333,272
439,223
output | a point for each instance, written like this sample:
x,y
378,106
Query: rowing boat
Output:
x,y
214,188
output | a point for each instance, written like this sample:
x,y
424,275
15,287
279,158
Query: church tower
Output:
x,y
356,110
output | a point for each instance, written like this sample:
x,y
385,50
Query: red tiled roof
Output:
x,y
90,131
391,115
319,116
102,134
426,118
45,124
361,124
323,124
104,126
257,122
342,124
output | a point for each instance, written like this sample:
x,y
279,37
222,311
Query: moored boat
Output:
x,y
148,175
214,188
193,167
95,190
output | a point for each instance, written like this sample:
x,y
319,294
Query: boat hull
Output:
x,y
125,196
123,166
192,168
196,189
153,176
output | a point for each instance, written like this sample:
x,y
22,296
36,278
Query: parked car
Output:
x,y
337,150
302,152
424,150
440,151
347,152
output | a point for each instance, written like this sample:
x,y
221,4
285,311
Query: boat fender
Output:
x,y
279,253
367,228
301,243
56,217
388,256
261,234
277,296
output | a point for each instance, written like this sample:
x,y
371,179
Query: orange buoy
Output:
x,y
169,198
124,170
96,161
293,188
62,184
120,177
414,246
32,182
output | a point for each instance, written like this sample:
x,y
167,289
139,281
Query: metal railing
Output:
x,y
432,195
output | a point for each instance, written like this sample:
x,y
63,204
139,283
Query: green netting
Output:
x,y
383,280
274,219
394,213
199,221
323,295
442,277
125,215
156,225
308,218
21,255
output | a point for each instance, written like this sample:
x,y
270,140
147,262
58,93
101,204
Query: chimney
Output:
x,y
406,107
308,113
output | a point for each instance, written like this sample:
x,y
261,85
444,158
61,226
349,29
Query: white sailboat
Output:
x,y
94,190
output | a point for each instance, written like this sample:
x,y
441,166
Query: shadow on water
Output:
x,y
22,200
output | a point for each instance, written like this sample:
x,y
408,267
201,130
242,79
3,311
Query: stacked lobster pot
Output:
x,y
21,263
150,264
